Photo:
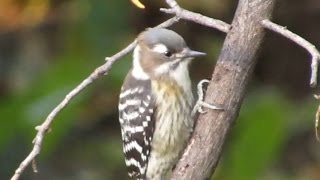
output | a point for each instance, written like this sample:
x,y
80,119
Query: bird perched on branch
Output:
x,y
155,104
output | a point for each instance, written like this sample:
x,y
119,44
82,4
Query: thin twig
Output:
x,y
300,41
98,72
195,17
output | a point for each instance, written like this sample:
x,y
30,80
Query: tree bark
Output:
x,y
227,87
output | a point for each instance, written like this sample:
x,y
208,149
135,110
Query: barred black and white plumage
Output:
x,y
155,104
136,109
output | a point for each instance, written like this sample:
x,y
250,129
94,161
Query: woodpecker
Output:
x,y
155,104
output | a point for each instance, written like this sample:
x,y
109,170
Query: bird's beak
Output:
x,y
191,54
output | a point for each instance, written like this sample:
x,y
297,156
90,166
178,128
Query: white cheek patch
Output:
x,y
137,70
160,48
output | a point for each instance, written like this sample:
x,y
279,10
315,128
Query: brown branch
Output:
x,y
195,17
300,41
227,87
98,72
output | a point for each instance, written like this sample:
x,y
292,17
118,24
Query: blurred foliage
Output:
x,y
47,47
257,141
15,13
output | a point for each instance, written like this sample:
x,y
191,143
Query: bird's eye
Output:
x,y
168,53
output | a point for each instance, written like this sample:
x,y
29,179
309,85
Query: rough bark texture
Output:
x,y
229,81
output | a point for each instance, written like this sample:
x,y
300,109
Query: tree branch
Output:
x,y
300,41
227,87
195,17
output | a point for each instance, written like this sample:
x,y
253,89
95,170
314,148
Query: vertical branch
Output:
x,y
229,81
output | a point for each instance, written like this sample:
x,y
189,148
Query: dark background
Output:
x,y
47,47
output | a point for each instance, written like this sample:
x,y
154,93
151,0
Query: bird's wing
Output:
x,y
136,116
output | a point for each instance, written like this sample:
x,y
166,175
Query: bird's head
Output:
x,y
161,53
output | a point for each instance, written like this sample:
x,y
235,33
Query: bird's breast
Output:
x,y
174,123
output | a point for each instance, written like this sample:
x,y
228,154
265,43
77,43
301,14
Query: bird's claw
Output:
x,y
200,102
